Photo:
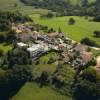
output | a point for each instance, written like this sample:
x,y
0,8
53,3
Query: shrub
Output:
x,y
71,21
89,42
97,18
97,34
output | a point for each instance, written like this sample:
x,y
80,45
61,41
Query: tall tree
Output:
x,y
84,3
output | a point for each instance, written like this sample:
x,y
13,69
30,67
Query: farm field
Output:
x,y
32,91
81,29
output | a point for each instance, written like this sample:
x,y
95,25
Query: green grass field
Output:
x,y
31,91
5,47
9,5
81,29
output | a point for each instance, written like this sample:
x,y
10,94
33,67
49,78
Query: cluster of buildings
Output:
x,y
77,55
38,43
83,55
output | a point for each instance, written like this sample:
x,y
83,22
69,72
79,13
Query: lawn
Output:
x,y
31,91
81,29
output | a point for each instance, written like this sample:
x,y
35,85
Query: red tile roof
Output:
x,y
86,56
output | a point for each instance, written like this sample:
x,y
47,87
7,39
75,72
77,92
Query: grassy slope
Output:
x,y
31,91
82,28
8,5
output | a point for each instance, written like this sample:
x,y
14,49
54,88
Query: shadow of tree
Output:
x,y
10,89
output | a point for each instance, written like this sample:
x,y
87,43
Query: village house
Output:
x,y
65,56
80,48
37,50
45,39
22,45
56,35
61,47
20,28
83,58
23,37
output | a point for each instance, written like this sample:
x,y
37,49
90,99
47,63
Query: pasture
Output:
x,y
32,91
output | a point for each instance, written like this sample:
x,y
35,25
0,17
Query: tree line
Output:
x,y
65,7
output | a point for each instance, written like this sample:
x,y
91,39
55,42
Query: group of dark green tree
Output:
x,y
15,70
7,18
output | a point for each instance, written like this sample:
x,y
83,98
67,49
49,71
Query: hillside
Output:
x,y
49,49
16,5
31,91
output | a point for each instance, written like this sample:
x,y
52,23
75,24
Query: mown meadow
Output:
x,y
31,91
